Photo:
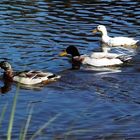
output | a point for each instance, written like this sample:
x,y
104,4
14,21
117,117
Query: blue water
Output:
x,y
87,104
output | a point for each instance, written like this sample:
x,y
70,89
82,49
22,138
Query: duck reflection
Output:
x,y
6,87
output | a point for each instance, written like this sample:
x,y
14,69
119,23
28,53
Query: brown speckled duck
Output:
x,y
31,77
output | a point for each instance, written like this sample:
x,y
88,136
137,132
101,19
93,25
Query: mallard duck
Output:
x,y
97,59
115,41
31,77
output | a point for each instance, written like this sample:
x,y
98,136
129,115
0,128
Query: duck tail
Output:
x,y
137,42
54,77
125,58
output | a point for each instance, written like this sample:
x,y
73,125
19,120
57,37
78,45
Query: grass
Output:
x,y
45,126
2,114
11,120
24,129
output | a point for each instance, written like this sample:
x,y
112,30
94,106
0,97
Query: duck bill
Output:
x,y
64,53
94,31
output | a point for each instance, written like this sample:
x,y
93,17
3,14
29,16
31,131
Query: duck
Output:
x,y
29,77
96,59
114,41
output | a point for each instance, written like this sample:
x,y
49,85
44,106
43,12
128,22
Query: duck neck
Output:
x,y
105,50
76,53
104,33
8,74
76,62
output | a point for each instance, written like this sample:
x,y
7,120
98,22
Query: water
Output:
x,y
90,103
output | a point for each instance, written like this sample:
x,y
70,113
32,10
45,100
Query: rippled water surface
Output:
x,y
86,104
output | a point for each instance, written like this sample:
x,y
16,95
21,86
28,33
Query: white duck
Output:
x,y
115,41
31,77
97,59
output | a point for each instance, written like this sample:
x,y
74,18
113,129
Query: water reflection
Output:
x,y
105,102
6,87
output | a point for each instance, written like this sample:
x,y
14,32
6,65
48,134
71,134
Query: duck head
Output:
x,y
8,72
76,59
71,50
5,65
100,28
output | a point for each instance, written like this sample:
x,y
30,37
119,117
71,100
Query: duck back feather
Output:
x,y
34,77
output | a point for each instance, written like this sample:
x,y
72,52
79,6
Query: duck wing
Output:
x,y
34,77
102,62
122,41
100,55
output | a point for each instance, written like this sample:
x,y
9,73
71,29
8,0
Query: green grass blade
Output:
x,y
21,133
24,131
78,131
45,126
3,113
9,132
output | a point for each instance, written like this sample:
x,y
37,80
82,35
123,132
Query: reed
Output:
x,y
44,126
24,130
11,120
3,113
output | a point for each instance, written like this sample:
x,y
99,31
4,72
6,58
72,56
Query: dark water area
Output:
x,y
90,103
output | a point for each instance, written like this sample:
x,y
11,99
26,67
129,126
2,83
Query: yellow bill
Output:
x,y
64,53
94,31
